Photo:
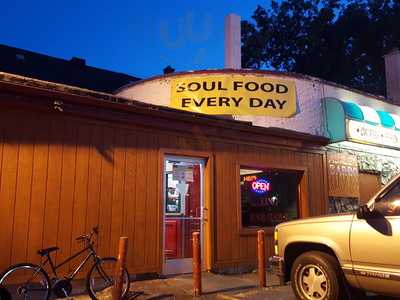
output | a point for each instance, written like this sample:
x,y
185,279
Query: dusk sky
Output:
x,y
139,38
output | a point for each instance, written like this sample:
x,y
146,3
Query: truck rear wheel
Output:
x,y
316,275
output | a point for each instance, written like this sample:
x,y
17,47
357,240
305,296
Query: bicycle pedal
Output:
x,y
62,288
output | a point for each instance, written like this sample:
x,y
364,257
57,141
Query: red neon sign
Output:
x,y
250,178
261,186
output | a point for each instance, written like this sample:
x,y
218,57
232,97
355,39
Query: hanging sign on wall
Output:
x,y
343,175
235,95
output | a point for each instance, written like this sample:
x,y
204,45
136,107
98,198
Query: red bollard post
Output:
x,y
196,264
261,257
119,271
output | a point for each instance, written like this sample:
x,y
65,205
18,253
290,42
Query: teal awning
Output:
x,y
337,111
386,119
352,110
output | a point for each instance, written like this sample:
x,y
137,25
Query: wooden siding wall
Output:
x,y
60,176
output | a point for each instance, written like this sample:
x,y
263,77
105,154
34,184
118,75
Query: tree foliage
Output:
x,y
339,41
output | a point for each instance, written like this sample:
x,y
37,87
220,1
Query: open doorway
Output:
x,y
183,211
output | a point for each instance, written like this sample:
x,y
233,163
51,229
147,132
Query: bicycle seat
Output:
x,y
46,251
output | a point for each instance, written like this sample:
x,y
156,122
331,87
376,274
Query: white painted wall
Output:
x,y
309,92
309,116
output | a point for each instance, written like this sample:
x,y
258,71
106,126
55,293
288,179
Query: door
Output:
x,y
369,185
375,244
183,211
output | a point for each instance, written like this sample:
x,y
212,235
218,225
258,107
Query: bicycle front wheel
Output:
x,y
101,279
26,281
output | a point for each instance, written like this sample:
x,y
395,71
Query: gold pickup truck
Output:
x,y
343,256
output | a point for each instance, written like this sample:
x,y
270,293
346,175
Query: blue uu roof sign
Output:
x,y
353,122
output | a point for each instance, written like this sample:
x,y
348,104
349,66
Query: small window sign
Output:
x,y
182,173
261,186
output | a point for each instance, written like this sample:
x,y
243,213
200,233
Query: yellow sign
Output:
x,y
234,95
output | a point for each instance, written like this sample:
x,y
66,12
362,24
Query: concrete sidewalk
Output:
x,y
215,286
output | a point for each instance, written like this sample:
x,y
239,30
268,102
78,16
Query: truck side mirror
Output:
x,y
363,212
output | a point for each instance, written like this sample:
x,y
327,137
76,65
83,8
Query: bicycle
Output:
x,y
36,283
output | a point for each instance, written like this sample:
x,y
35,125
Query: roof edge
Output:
x,y
99,98
255,71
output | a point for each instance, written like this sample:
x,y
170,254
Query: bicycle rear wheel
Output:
x,y
26,281
101,278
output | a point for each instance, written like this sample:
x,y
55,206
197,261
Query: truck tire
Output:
x,y
316,275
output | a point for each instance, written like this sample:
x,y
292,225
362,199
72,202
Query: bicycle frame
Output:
x,y
46,258
54,268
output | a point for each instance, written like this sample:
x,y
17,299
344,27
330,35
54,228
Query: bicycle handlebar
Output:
x,y
88,237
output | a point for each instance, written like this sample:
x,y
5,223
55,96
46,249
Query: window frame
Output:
x,y
302,203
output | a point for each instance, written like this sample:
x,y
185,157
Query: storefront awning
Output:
x,y
368,114
349,121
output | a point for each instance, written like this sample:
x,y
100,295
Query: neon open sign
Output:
x,y
261,186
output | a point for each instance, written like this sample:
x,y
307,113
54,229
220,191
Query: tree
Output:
x,y
329,39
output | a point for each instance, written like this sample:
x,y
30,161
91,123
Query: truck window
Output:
x,y
389,204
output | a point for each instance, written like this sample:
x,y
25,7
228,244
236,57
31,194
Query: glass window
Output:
x,y
389,204
268,196
342,204
174,203
179,184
